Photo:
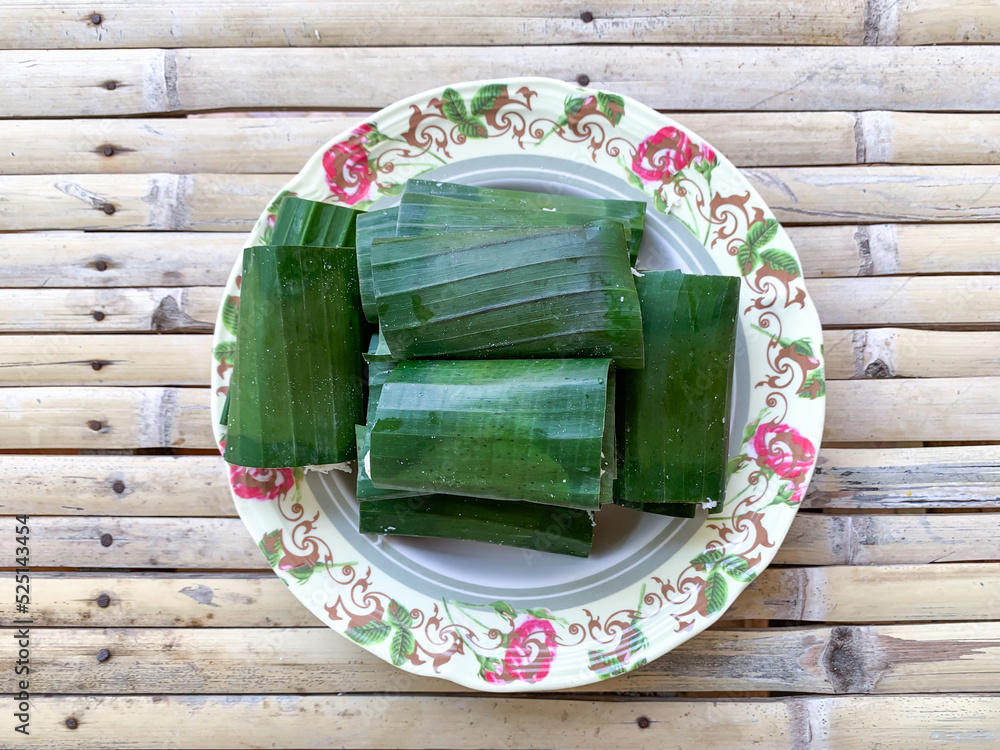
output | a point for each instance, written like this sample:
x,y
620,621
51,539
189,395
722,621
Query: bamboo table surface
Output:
x,y
872,128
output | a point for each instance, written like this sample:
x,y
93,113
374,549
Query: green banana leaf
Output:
x,y
432,191
543,528
312,224
671,416
372,225
296,393
502,429
417,218
511,293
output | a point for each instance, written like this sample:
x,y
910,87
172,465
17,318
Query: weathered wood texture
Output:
x,y
228,202
155,417
178,310
962,477
223,543
174,259
105,359
105,418
909,353
230,143
188,23
844,659
887,301
207,722
47,83
123,359
915,478
834,594
236,144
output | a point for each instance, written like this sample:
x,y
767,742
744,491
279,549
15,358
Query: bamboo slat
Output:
x,y
934,21
909,353
105,418
235,144
239,144
51,83
962,592
126,359
908,300
918,409
902,300
75,259
876,659
112,485
223,543
229,203
102,359
298,23
155,310
112,417
72,258
835,195
208,722
873,478
941,477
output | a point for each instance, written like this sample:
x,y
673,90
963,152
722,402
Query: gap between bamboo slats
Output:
x,y
54,259
223,543
73,83
94,485
832,594
876,659
885,301
185,360
232,202
221,722
238,144
112,417
294,23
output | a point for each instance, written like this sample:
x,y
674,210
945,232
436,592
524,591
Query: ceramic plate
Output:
x,y
501,619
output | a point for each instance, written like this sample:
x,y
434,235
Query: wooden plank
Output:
x,y
206,722
857,410
929,138
833,594
884,301
908,300
958,477
232,202
297,23
835,195
223,543
126,359
105,359
845,659
138,202
186,146
105,418
816,539
910,353
934,21
924,409
72,82
240,144
98,485
237,144
917,478
76,259
173,259
156,310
